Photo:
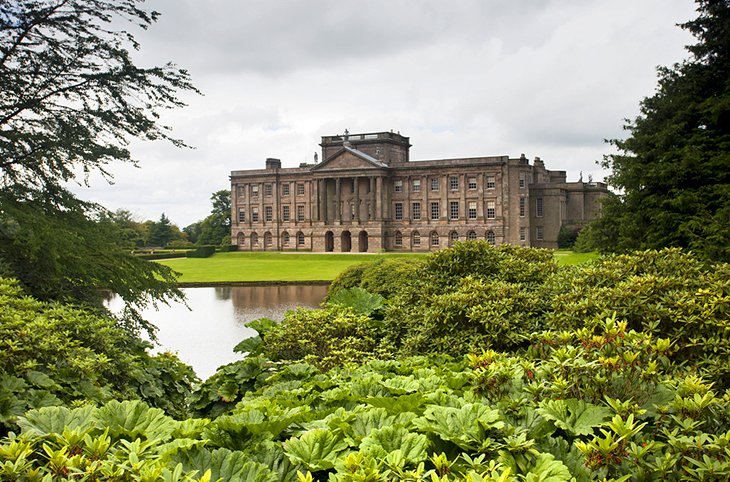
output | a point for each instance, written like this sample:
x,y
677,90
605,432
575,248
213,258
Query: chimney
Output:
x,y
272,164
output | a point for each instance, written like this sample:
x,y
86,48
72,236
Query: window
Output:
x,y
523,178
434,239
268,213
453,237
242,190
300,238
491,212
398,185
435,210
285,238
267,239
523,233
241,239
471,235
241,215
254,190
398,211
454,210
416,211
352,211
285,189
434,184
300,189
300,212
538,207
352,185
255,215
472,213
416,185
491,182
472,182
254,239
398,238
285,213
268,190
522,207
416,238
490,238
454,183
539,233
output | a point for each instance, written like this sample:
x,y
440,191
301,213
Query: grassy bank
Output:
x,y
269,266
275,266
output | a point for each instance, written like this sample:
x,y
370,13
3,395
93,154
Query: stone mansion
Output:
x,y
366,195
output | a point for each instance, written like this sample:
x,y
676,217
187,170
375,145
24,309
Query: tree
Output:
x,y
216,227
674,168
161,232
71,98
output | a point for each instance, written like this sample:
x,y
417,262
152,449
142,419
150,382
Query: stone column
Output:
x,y
371,210
338,201
357,200
378,198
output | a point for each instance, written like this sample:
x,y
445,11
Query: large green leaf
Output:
x,y
48,420
316,449
547,469
466,426
236,467
133,419
574,416
359,300
382,441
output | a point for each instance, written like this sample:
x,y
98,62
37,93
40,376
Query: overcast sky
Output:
x,y
461,78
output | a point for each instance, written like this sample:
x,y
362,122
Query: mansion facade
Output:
x,y
366,195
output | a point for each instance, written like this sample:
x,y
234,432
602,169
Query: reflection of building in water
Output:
x,y
222,292
247,297
367,195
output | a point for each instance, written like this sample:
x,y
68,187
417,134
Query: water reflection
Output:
x,y
204,337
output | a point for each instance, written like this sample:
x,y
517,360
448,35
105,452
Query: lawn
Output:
x,y
269,266
276,266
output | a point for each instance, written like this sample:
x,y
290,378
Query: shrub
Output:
x,y
226,248
383,277
52,354
165,255
201,252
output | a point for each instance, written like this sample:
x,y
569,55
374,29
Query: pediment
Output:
x,y
348,159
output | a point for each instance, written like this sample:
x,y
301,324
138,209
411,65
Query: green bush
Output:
x,y
201,252
226,248
166,255
52,354
325,338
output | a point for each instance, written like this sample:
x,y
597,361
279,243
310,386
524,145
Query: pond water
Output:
x,y
204,335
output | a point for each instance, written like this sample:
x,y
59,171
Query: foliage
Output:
x,y
359,300
418,418
567,236
160,232
53,354
216,227
201,252
331,336
470,297
382,277
673,168
71,101
668,293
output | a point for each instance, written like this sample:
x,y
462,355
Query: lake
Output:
x,y
204,335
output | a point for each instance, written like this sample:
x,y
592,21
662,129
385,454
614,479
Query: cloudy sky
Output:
x,y
548,78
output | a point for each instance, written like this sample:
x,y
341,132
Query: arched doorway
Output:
x,y
240,239
346,241
363,241
329,241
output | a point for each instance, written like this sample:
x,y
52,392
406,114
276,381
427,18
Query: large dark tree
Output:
x,y
71,99
673,171
215,229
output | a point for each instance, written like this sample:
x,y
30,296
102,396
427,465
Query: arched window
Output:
x,y
300,238
267,239
490,238
416,238
471,235
434,239
398,238
254,240
453,237
241,239
285,238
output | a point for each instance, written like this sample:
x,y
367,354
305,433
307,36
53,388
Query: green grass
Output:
x,y
276,266
269,266
566,257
